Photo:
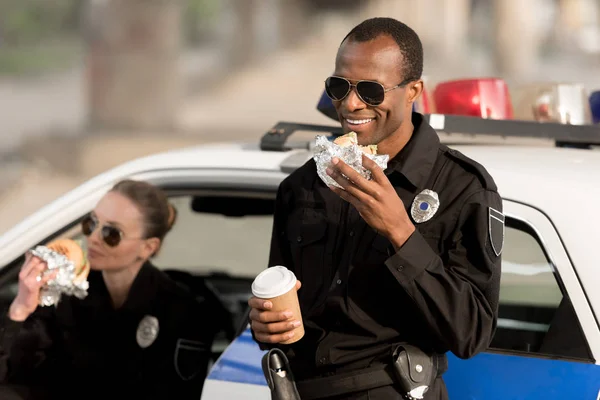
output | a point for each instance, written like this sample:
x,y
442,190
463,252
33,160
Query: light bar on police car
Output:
x,y
563,103
484,98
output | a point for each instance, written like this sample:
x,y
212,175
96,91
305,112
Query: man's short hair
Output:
x,y
407,39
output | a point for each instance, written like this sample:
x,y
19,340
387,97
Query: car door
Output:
x,y
546,344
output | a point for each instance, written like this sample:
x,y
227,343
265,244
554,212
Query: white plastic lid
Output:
x,y
273,282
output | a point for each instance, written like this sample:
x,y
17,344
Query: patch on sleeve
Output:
x,y
496,228
190,358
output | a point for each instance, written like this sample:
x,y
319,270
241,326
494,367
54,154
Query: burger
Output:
x,y
350,139
73,251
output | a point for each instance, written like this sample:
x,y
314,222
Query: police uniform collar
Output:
x,y
143,288
417,158
142,291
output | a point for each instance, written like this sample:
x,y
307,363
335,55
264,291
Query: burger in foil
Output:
x,y
70,260
347,149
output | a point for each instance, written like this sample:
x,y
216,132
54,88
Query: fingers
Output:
x,y
353,176
348,197
272,338
47,277
33,276
376,172
30,262
32,269
266,317
271,326
349,191
298,285
275,328
260,304
273,332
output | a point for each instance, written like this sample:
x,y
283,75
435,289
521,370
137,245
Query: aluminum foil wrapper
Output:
x,y
52,291
326,150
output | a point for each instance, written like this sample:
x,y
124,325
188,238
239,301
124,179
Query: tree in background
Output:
x,y
32,21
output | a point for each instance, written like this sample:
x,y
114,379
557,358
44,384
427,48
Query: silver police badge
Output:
x,y
147,331
424,206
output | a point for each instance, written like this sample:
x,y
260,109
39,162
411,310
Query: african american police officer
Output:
x,y
411,256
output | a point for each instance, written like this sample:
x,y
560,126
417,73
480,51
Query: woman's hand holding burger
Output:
x,y
31,281
32,277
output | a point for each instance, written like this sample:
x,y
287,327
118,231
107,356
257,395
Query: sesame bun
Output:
x,y
75,253
350,139
370,149
346,140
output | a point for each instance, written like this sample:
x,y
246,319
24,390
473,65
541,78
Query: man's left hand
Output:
x,y
376,200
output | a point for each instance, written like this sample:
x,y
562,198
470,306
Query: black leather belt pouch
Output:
x,y
414,370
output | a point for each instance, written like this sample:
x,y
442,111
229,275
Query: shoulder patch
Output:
x,y
474,167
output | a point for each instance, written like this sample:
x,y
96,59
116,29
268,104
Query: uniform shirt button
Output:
x,y
400,268
339,281
299,239
351,233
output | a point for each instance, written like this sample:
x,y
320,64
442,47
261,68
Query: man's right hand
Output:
x,y
271,326
31,280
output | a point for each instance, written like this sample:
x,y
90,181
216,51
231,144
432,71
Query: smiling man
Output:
x,y
398,270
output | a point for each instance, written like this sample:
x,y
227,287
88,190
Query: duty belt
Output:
x,y
412,371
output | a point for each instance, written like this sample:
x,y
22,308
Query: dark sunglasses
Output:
x,y
111,235
371,93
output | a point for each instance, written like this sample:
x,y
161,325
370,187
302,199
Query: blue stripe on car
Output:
x,y
488,376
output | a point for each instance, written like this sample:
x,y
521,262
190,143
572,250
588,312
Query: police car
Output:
x,y
547,343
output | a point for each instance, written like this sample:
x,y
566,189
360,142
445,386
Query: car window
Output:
x,y
535,313
211,240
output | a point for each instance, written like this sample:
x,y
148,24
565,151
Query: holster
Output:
x,y
415,370
279,376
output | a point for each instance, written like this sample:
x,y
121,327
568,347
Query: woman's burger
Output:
x,y
73,251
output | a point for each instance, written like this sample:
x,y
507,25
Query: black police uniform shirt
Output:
x,y
439,291
88,347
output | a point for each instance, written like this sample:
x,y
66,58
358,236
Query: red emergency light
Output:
x,y
483,97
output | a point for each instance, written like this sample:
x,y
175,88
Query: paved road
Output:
x,y
31,107
56,103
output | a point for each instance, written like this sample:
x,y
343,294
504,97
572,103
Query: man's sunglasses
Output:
x,y
111,235
371,93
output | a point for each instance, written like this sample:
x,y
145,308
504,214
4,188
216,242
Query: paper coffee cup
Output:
x,y
278,285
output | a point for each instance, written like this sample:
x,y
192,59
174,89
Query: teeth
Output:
x,y
358,121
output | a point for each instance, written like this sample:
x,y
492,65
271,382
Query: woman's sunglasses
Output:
x,y
111,235
371,93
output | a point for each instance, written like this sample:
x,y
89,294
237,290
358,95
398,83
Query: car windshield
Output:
x,y
219,233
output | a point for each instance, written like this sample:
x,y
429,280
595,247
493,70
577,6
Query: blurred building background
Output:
x,y
88,84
